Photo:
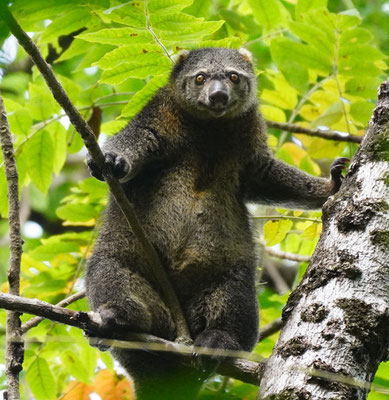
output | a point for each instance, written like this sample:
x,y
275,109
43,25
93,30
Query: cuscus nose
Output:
x,y
218,94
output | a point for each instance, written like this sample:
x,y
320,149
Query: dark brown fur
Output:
x,y
189,170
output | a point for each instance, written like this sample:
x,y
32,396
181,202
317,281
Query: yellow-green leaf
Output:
x,y
118,36
141,66
269,14
58,136
312,231
143,96
275,231
40,151
40,380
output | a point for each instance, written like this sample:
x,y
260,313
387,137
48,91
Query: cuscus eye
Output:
x,y
200,79
234,77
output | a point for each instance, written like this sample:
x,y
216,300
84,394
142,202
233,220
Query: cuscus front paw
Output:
x,y
337,166
115,164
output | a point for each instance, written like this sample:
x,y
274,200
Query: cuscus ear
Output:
x,y
181,56
246,55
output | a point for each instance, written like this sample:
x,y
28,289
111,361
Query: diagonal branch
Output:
x,y
157,273
14,347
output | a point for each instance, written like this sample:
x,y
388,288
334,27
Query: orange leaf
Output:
x,y
110,386
77,391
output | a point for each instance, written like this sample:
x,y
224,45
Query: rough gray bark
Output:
x,y
14,352
337,320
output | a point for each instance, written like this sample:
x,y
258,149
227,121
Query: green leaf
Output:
x,y
314,37
20,121
41,104
167,6
141,66
67,23
58,136
312,231
138,101
356,51
77,212
74,363
333,114
307,5
182,27
47,252
363,86
355,36
88,355
321,19
126,54
40,150
347,19
40,380
118,36
106,358
199,8
36,11
111,127
130,13
273,113
305,55
294,73
362,111
269,13
95,189
275,231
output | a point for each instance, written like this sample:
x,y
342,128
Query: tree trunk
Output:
x,y
336,329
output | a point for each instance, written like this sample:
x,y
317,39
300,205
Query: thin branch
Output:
x,y
290,217
244,370
322,133
14,346
155,37
284,254
156,271
271,328
33,322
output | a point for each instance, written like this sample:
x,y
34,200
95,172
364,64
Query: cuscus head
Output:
x,y
215,82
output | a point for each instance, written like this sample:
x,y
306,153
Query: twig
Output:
x,y
14,346
322,133
285,255
244,370
156,273
155,37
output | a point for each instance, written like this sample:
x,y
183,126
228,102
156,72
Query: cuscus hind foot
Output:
x,y
337,166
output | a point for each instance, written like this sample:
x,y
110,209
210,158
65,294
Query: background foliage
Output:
x,y
318,64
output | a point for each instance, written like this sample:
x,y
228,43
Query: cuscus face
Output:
x,y
215,82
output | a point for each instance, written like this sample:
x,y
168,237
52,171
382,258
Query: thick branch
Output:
x,y
156,273
14,347
244,370
322,133
337,319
